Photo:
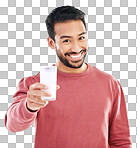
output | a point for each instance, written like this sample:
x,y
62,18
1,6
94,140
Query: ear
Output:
x,y
51,43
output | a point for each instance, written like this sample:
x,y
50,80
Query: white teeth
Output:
x,y
75,56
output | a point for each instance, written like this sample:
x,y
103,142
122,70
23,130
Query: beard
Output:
x,y
71,64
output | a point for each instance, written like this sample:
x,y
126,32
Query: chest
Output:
x,y
80,100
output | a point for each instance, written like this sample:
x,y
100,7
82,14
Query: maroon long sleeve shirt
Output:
x,y
89,112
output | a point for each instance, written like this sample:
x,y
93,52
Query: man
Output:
x,y
90,109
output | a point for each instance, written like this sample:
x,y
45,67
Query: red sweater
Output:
x,y
89,112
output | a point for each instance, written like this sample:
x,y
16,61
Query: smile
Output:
x,y
76,56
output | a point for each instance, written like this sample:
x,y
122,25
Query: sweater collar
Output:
x,y
75,74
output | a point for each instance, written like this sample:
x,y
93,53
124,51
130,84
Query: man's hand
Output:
x,y
34,94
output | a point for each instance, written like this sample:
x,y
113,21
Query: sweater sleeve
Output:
x,y
119,132
18,117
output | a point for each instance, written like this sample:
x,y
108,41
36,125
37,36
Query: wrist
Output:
x,y
30,109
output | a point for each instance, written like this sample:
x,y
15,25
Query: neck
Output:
x,y
66,69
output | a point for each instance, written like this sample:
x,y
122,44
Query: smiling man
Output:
x,y
71,45
90,108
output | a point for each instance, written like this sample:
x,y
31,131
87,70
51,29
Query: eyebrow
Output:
x,y
66,36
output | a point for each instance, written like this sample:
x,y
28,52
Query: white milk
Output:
x,y
48,76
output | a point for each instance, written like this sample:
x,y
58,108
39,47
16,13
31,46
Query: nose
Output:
x,y
75,47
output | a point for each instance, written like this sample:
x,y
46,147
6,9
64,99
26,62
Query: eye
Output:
x,y
82,38
66,41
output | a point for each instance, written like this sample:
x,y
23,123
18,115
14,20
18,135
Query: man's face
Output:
x,y
71,43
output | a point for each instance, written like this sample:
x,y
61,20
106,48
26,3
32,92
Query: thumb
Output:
x,y
57,87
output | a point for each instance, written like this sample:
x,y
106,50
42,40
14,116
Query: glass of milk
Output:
x,y
48,76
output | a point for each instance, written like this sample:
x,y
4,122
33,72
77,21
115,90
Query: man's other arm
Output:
x,y
119,132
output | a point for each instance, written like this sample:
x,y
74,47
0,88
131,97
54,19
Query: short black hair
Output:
x,y
63,14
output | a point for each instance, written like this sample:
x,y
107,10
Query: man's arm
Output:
x,y
119,132
27,102
18,117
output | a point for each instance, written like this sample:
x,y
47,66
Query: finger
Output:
x,y
35,106
36,100
39,93
36,86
